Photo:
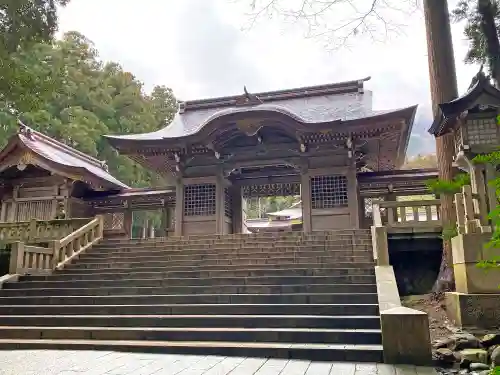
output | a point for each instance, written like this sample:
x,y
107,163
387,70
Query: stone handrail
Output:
x,y
71,246
32,260
39,230
407,213
36,260
472,212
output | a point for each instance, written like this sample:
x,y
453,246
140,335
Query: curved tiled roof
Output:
x,y
63,155
449,111
316,104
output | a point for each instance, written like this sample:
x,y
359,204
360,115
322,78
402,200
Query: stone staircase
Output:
x,y
288,295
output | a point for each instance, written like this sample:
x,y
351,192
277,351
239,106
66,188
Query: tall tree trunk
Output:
x,y
443,82
487,12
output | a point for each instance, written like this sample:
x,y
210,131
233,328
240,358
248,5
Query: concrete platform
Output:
x,y
59,362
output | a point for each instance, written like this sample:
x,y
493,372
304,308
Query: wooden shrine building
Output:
x,y
309,141
40,176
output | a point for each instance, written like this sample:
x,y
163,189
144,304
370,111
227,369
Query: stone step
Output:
x,y
204,289
269,245
280,261
228,253
350,309
214,259
323,235
284,298
353,274
346,268
317,352
48,282
181,256
195,321
288,335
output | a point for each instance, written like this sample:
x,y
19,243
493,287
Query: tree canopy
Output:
x,y
23,22
64,90
482,30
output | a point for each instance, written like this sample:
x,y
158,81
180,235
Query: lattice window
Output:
x,y
199,200
368,205
329,191
482,131
228,203
114,220
40,210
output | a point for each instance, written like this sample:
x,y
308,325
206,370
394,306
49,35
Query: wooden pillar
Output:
x,y
220,199
166,219
353,197
305,192
179,207
13,209
128,222
237,208
3,211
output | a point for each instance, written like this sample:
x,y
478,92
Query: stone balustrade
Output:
x,y
39,260
36,231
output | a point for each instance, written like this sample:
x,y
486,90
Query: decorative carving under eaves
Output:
x,y
249,126
26,158
271,190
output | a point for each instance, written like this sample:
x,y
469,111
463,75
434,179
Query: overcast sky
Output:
x,y
202,48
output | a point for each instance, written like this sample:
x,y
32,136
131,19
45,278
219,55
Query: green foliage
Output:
x,y
23,22
65,91
438,186
449,232
491,158
467,10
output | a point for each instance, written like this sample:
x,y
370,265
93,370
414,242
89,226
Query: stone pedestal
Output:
x,y
476,301
405,336
405,331
474,309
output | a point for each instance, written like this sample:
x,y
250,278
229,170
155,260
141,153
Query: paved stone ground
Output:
x,y
54,362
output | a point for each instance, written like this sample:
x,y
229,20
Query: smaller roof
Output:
x,y
291,213
61,156
481,92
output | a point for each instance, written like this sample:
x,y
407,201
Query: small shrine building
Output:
x,y
40,175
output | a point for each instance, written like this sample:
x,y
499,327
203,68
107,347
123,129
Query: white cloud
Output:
x,y
197,47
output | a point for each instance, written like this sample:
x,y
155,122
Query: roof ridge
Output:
x,y
79,154
355,85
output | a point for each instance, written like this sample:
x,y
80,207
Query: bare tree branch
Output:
x,y
337,21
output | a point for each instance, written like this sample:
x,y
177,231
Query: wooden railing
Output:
x,y
423,213
404,216
36,260
36,231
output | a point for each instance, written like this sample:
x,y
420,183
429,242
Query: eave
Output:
x,y
18,149
293,125
482,92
